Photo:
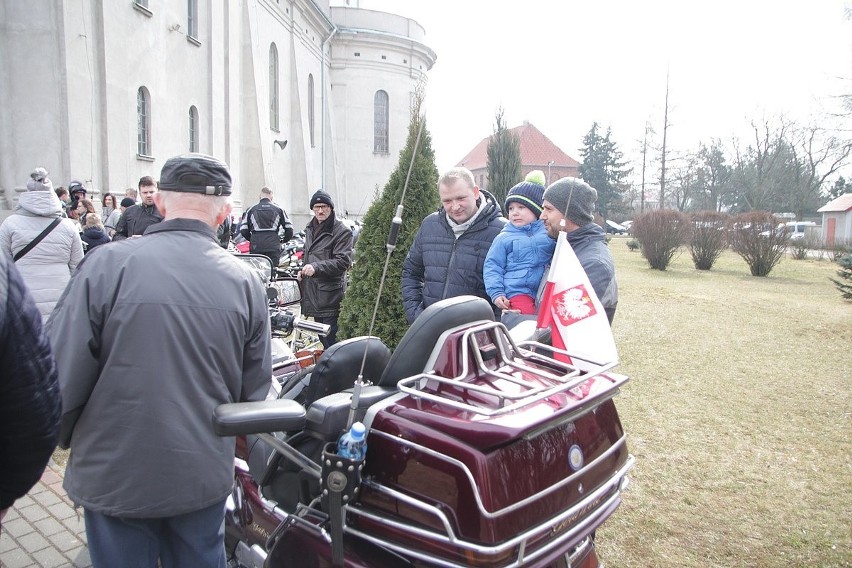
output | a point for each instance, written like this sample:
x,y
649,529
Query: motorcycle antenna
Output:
x,y
396,224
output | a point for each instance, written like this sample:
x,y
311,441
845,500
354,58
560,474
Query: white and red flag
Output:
x,y
570,307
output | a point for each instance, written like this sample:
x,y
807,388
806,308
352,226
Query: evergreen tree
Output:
x,y
845,272
421,199
604,169
840,187
504,160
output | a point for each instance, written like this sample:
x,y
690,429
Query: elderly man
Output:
x,y
138,217
151,335
448,253
573,200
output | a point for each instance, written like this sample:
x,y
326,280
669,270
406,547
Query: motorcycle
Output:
x,y
480,452
483,449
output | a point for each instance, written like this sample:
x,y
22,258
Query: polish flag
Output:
x,y
570,307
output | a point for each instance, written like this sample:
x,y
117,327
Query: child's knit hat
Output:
x,y
528,193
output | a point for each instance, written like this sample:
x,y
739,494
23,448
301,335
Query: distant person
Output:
x,y
225,231
29,392
151,336
447,256
77,191
574,200
133,193
110,214
518,256
93,232
45,247
137,218
63,196
265,226
84,208
327,257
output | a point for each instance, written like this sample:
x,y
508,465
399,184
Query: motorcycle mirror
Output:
x,y
271,293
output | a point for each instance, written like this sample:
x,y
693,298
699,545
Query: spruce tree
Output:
x,y
845,272
421,199
504,160
604,169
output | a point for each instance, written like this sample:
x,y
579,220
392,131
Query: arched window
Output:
x,y
143,120
193,129
380,123
311,121
273,87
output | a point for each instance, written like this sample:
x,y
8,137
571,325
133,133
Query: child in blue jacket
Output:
x,y
519,254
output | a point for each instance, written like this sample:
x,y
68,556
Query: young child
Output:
x,y
518,255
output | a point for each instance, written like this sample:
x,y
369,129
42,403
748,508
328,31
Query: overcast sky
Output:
x,y
563,65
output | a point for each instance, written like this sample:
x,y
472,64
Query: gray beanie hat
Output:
x,y
38,181
574,198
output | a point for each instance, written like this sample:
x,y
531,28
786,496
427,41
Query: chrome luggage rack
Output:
x,y
531,376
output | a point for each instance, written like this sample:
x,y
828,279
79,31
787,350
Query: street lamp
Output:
x,y
550,163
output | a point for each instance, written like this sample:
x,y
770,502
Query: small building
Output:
x,y
837,220
537,153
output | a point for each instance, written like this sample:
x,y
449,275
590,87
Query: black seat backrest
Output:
x,y
339,365
413,352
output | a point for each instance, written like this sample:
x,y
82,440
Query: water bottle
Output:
x,y
353,444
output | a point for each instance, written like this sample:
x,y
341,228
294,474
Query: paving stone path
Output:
x,y
43,529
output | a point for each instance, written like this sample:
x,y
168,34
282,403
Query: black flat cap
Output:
x,y
196,173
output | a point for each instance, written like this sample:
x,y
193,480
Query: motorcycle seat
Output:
x,y
414,351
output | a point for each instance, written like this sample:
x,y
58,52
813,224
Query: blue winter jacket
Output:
x,y
516,261
440,266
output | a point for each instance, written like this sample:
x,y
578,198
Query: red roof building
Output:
x,y
537,153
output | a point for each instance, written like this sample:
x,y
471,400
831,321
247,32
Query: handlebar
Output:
x,y
286,322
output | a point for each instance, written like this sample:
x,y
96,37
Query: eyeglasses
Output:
x,y
320,207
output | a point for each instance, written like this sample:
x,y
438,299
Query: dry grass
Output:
x,y
738,412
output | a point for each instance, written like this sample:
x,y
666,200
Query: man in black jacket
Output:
x,y
328,255
30,406
448,253
262,225
137,218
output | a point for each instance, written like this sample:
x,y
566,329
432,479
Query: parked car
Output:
x,y
614,228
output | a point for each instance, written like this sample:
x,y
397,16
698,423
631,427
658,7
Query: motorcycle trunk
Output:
x,y
496,457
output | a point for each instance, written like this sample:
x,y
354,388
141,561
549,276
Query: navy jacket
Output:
x,y
440,266
29,391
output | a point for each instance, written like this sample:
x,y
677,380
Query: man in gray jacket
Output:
x,y
150,336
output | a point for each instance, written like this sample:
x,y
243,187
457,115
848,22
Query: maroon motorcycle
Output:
x,y
480,452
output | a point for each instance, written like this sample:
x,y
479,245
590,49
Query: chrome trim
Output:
x,y
476,493
510,355
519,540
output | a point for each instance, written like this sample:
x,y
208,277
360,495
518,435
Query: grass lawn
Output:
x,y
738,412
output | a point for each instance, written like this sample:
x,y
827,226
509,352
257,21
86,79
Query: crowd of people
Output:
x,y
142,339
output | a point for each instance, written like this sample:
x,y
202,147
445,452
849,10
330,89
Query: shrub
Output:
x,y
845,272
755,237
633,245
840,248
708,238
660,234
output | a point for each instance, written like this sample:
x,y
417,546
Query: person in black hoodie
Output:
x,y
30,405
93,232
448,253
